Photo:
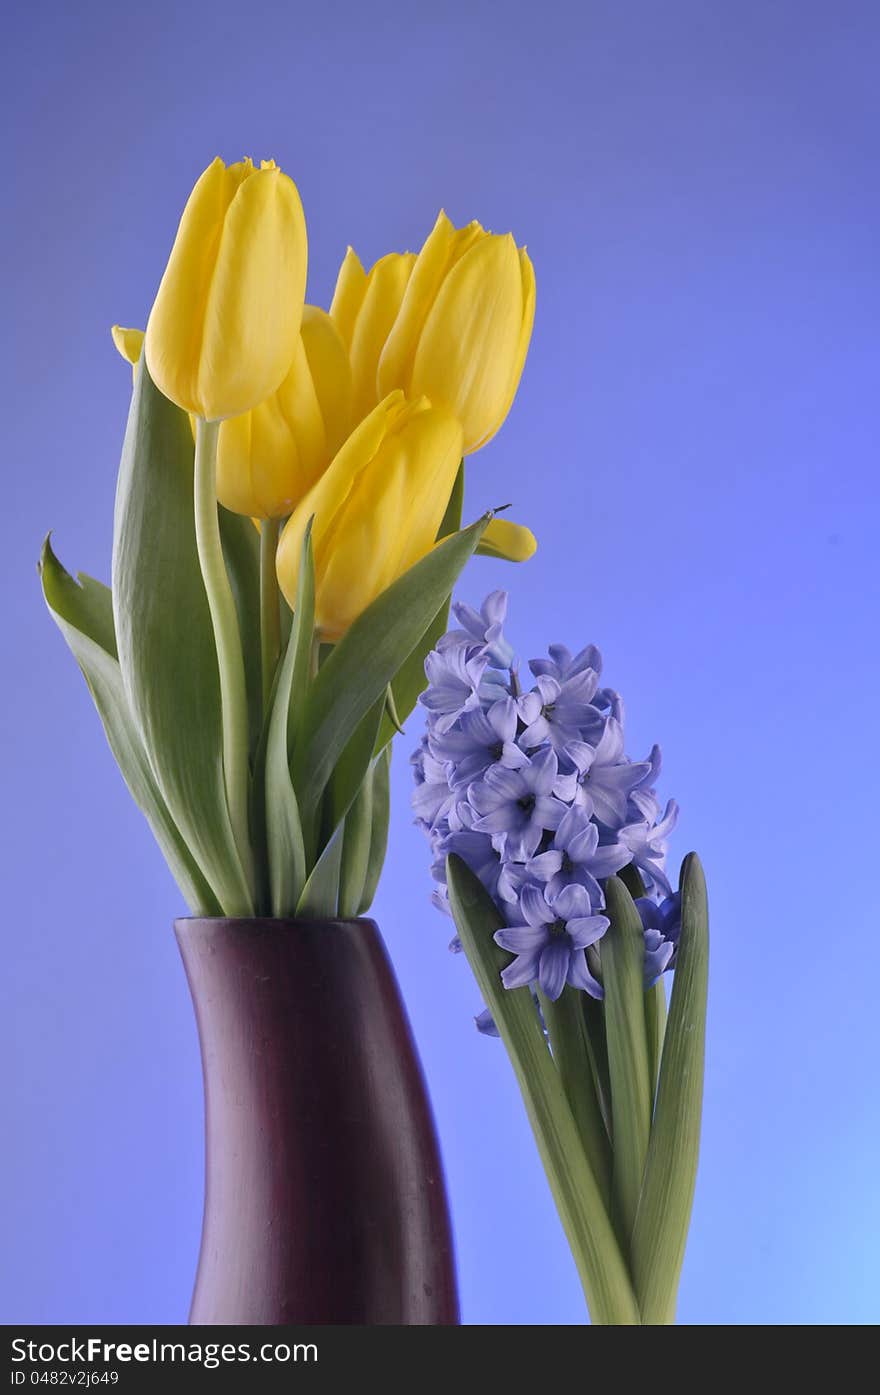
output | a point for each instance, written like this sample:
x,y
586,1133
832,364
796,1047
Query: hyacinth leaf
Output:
x,y
410,678
381,812
597,1046
664,1210
570,1048
367,658
622,951
356,849
655,1026
83,612
655,997
241,549
578,1199
167,654
320,897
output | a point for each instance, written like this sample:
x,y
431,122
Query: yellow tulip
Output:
x,y
377,508
364,308
268,458
453,323
224,327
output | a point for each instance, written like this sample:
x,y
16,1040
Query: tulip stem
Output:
x,y
270,606
224,619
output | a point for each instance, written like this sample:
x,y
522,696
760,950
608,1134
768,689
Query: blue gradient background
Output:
x,y
695,445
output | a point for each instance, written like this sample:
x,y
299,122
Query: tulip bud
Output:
x,y
129,343
267,459
223,330
454,323
377,509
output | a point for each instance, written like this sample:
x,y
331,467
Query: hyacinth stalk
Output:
x,y
550,855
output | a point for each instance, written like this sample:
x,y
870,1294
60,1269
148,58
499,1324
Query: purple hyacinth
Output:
x,y
483,628
550,947
518,804
647,836
562,666
536,794
603,778
575,856
662,927
479,740
453,684
559,712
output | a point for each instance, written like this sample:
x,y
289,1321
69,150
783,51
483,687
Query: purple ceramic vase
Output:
x,y
324,1194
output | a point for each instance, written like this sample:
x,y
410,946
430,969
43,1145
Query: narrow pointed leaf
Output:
x,y
320,897
655,1026
352,768
241,548
381,811
622,951
83,612
356,849
664,1211
367,658
283,826
597,1045
584,1218
410,678
570,1049
165,639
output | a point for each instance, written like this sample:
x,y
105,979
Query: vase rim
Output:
x,y
291,923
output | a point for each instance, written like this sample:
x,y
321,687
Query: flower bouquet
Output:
x,y
287,536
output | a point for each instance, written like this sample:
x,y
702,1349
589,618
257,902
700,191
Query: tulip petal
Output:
x,y
351,286
224,325
326,497
443,247
471,338
128,342
528,320
331,374
385,288
508,541
255,299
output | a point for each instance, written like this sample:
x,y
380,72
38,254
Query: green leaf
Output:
x,y
241,549
410,680
356,849
165,639
320,898
584,1218
352,768
451,521
367,658
379,831
571,1052
655,997
284,833
83,612
664,1211
655,1026
622,953
597,1043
